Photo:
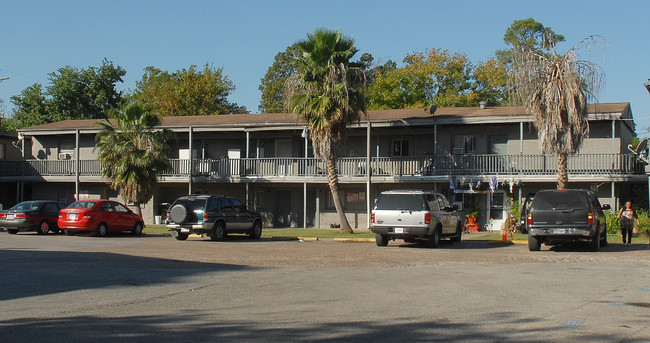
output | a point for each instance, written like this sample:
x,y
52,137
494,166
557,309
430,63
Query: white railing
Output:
x,y
585,164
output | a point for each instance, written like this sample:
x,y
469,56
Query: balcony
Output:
x,y
349,167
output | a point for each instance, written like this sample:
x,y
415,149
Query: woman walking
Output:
x,y
627,216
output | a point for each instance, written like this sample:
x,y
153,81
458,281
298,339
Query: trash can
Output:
x,y
157,220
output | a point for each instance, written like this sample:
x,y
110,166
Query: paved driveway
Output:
x,y
150,289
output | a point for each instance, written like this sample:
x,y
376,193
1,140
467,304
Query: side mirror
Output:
x,y
606,207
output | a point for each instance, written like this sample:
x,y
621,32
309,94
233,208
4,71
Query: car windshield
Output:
x,y
563,200
193,204
27,206
82,204
413,202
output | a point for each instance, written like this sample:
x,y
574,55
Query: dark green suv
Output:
x,y
214,215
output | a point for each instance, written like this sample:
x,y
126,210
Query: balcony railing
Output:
x,y
541,165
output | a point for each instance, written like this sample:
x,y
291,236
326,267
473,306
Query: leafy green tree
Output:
x,y
85,94
30,109
272,85
186,92
527,34
437,77
71,94
327,92
133,152
555,89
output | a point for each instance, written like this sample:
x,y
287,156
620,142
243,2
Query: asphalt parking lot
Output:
x,y
151,289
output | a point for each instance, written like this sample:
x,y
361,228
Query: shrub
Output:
x,y
614,226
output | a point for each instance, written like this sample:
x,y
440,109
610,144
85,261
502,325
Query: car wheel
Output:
x,y
102,230
12,231
533,243
458,236
218,232
434,240
594,244
179,236
68,232
137,229
178,214
256,230
43,228
381,240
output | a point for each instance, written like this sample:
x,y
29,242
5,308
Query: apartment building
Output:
x,y
481,158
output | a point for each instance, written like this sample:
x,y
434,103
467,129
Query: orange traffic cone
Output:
x,y
505,236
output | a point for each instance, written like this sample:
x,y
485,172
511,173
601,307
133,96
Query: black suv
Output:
x,y
215,215
558,216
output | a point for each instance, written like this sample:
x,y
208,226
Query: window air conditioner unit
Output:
x,y
459,151
64,156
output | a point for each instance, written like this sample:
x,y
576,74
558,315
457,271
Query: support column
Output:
x,y
77,160
191,160
317,214
368,176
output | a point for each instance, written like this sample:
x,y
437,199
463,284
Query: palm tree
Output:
x,y
555,89
328,93
133,152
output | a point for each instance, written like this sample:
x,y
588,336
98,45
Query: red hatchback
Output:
x,y
100,216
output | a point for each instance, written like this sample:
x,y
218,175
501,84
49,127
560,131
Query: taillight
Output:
x,y
21,215
427,218
372,217
529,219
590,218
205,216
2,215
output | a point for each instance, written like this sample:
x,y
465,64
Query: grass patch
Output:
x,y
271,232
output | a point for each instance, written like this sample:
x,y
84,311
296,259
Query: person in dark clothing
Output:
x,y
627,216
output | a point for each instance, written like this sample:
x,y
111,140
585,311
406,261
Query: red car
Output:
x,y
100,216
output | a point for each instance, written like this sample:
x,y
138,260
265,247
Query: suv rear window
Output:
x,y
413,202
192,204
559,200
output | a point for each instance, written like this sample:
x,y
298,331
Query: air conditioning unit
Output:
x,y
64,156
459,151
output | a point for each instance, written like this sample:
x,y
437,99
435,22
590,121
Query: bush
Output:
x,y
614,226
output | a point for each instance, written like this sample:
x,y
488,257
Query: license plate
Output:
x,y
559,231
11,216
399,230
72,216
185,230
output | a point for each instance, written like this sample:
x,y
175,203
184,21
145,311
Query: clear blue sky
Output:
x,y
242,37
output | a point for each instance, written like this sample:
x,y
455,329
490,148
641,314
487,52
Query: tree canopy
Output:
x,y
527,34
186,92
437,77
71,94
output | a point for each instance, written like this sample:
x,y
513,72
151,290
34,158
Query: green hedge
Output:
x,y
614,226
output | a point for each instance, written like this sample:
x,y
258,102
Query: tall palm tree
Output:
x,y
328,93
133,152
555,89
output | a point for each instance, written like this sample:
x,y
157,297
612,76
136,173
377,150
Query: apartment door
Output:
x,y
283,148
282,208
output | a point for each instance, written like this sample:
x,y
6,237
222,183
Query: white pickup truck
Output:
x,y
414,215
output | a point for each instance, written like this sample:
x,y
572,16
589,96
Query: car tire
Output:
x,y
137,229
533,243
12,231
180,236
594,244
68,232
102,230
256,230
381,240
178,214
218,232
434,240
43,228
459,233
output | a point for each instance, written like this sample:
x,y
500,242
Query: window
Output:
x,y
400,147
106,207
433,203
215,204
120,208
464,145
238,205
498,145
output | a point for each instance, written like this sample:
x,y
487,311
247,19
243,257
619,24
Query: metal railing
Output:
x,y
543,165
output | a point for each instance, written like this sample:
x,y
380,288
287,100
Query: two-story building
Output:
x,y
481,158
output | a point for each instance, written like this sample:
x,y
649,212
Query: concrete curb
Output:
x,y
357,240
516,241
